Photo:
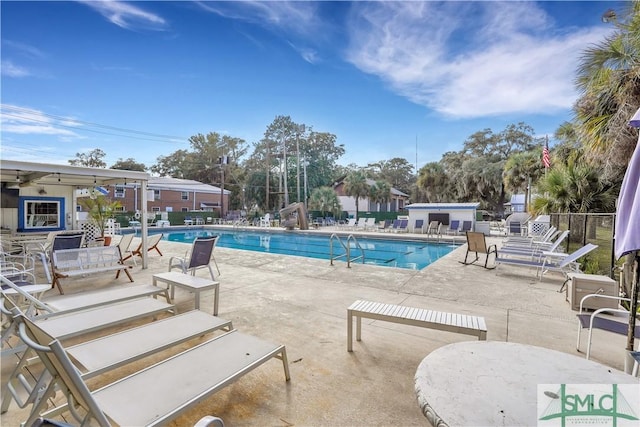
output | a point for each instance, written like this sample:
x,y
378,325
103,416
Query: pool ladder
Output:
x,y
347,247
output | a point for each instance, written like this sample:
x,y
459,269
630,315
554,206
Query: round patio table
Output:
x,y
491,383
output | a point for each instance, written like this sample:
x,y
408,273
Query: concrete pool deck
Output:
x,y
302,302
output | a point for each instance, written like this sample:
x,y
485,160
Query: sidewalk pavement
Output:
x,y
302,302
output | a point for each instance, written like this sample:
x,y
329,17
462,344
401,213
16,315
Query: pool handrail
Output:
x,y
347,248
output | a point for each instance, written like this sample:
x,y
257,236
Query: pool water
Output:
x,y
408,254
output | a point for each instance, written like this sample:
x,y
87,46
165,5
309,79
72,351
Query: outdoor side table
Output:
x,y
191,283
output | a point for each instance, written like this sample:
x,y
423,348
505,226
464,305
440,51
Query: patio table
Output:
x,y
491,383
192,284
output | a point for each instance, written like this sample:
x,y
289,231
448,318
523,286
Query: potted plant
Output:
x,y
100,210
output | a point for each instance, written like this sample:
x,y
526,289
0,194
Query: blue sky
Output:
x,y
137,79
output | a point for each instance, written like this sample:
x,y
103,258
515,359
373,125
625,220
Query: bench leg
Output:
x,y
127,273
56,282
358,328
482,336
349,330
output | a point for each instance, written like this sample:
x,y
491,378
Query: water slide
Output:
x,y
294,214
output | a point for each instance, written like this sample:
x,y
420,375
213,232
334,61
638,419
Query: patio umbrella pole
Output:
x,y
633,308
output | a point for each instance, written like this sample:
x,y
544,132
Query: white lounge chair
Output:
x,y
178,382
351,223
564,263
265,221
536,250
433,228
370,224
530,240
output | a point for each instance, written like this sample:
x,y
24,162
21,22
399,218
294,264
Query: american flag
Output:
x,y
546,159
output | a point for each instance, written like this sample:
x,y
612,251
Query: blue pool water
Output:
x,y
413,255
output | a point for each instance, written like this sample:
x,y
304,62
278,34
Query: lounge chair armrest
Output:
x,y
600,296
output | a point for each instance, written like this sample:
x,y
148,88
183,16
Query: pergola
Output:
x,y
18,174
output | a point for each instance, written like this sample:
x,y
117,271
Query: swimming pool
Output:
x,y
413,255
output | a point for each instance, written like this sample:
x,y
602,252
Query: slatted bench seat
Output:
x,y
460,323
81,262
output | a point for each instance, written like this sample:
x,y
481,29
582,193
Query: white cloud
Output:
x,y
298,18
25,121
24,49
469,59
126,15
10,69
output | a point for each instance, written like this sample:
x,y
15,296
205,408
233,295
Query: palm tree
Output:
x,y
609,79
521,169
434,182
324,199
380,192
355,185
575,187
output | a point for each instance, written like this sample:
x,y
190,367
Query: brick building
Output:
x,y
172,195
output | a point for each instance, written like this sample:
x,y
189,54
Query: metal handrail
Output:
x,y
333,237
352,238
347,248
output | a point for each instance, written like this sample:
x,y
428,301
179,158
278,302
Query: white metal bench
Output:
x,y
84,261
451,322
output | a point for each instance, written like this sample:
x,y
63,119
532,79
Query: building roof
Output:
x,y
446,206
28,173
371,183
176,184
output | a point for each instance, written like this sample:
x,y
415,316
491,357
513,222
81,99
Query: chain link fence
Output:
x,y
596,228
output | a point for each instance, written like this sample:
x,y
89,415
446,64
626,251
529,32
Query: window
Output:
x,y
41,214
184,209
156,194
184,195
118,193
155,209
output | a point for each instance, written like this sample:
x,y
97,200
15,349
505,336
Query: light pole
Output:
x,y
221,159
286,186
299,129
267,181
304,167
